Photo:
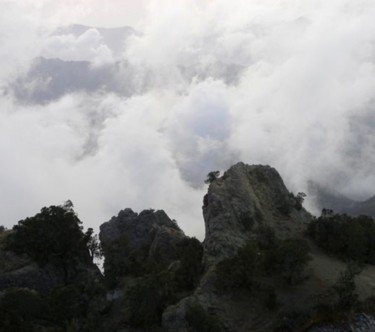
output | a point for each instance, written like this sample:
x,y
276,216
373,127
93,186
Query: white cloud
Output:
x,y
282,83
87,46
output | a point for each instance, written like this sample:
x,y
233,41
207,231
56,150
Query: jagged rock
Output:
x,y
31,276
244,198
149,234
174,317
236,205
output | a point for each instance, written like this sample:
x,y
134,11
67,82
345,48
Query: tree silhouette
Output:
x,y
212,176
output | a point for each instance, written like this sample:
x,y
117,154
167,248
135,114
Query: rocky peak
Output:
x,y
150,235
244,198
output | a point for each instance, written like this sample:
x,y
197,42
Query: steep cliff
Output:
x,y
238,207
135,241
243,199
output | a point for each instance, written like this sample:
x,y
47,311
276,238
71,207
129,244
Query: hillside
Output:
x,y
260,267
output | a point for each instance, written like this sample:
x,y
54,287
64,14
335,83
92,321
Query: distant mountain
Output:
x,y
330,199
50,78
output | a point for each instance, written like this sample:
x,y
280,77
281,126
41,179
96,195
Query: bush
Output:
x,y
345,288
212,176
299,200
20,309
67,303
271,302
349,238
190,253
148,299
291,258
52,236
265,256
200,321
241,270
117,263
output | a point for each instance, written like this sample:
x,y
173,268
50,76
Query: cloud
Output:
x,y
205,84
87,46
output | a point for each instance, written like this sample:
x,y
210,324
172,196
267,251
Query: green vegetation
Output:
x,y
212,176
20,309
345,289
117,263
242,270
189,252
148,298
299,200
341,300
120,262
349,238
159,287
265,266
290,259
285,204
52,236
200,321
264,256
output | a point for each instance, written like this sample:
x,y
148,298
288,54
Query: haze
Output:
x,y
136,117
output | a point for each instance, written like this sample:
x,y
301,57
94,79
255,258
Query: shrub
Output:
x,y
291,258
299,200
345,288
20,309
200,321
212,176
148,298
190,252
264,256
241,270
52,236
67,303
349,238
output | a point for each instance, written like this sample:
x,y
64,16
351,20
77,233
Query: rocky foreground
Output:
x,y
256,270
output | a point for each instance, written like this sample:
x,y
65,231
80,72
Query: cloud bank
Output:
x,y
200,87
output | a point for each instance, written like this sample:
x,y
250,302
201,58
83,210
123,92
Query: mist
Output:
x,y
190,88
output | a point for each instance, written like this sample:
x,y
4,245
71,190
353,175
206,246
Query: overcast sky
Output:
x,y
205,84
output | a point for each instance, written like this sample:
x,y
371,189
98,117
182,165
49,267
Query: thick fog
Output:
x,y
136,117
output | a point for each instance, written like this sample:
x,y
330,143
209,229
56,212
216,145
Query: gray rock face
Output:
x,y
151,234
244,198
21,271
43,280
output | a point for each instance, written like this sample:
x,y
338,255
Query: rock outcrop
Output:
x,y
257,270
237,204
244,198
150,234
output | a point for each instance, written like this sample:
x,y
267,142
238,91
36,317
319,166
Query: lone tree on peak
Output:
x,y
212,176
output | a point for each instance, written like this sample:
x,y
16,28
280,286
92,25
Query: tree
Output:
x,y
240,271
212,176
299,200
345,288
52,236
93,244
189,252
148,298
292,256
